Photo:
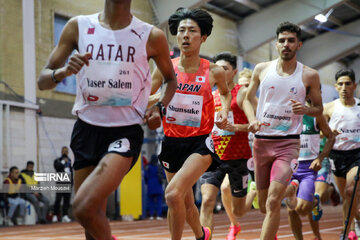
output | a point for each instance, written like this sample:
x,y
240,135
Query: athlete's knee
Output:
x,y
208,203
303,209
225,188
239,210
173,197
273,203
82,209
349,191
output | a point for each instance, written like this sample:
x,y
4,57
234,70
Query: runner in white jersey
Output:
x,y
344,117
283,83
113,86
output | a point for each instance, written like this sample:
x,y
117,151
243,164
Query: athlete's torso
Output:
x,y
309,139
114,89
274,105
231,145
347,121
191,111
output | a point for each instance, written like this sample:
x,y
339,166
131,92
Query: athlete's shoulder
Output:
x,y
310,72
262,66
329,108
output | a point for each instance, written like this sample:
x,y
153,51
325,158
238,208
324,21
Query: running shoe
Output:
x,y
317,211
233,231
255,202
352,236
207,233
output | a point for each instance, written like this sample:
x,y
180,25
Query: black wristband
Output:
x,y
162,109
53,77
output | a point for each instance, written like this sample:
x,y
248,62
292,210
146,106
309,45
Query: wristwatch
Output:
x,y
162,108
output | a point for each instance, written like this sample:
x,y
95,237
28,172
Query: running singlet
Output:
x,y
231,145
274,106
309,139
191,111
114,89
347,121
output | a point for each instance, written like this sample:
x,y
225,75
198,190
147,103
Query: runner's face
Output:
x,y
287,45
229,71
188,36
345,87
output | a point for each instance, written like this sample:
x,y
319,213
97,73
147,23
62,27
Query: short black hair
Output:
x,y
226,56
29,163
12,169
345,72
288,27
201,17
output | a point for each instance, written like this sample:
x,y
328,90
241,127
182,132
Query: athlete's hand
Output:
x,y
152,118
221,119
254,126
336,132
316,165
230,127
298,108
76,62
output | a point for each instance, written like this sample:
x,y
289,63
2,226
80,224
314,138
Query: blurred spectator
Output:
x,y
154,177
13,199
62,164
37,199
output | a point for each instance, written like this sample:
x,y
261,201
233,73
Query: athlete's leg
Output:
x,y
93,192
208,193
226,200
273,204
79,177
178,188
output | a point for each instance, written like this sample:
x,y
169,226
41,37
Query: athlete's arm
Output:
x,y
326,131
247,105
158,50
238,127
312,83
67,43
217,73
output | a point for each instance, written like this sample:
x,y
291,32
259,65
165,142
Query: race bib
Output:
x,y
220,132
185,110
251,164
276,117
120,146
112,86
294,164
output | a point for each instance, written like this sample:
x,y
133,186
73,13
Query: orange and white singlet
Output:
x,y
231,145
191,111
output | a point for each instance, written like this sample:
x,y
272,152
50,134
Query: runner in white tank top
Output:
x,y
283,84
113,86
343,115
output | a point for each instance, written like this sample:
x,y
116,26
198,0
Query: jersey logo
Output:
x,y
200,79
293,90
92,98
91,30
139,35
166,165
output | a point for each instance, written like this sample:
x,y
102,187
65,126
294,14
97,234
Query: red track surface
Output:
x,y
330,226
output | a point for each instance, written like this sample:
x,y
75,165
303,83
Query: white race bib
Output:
x,y
108,83
276,117
185,110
